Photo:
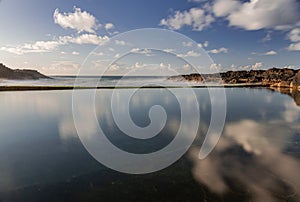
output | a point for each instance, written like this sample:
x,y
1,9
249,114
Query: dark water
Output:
x,y
256,159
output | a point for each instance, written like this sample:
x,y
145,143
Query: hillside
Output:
x,y
18,74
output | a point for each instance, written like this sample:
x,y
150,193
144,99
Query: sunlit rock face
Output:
x,y
296,81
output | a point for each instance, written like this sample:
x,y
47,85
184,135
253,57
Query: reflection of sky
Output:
x,y
38,136
34,127
251,156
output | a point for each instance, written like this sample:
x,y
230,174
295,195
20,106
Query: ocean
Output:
x,y
92,81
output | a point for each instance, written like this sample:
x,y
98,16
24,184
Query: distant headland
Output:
x,y
20,74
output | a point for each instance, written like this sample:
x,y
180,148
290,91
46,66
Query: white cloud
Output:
x,y
14,50
224,7
146,52
192,54
289,67
75,53
162,65
189,54
187,67
271,52
120,43
220,50
187,44
260,14
205,44
197,1
85,39
98,53
65,64
62,68
139,65
200,45
294,47
216,67
101,63
109,26
190,44
234,67
78,20
294,35
113,67
196,17
37,47
49,46
43,45
257,65
248,15
169,50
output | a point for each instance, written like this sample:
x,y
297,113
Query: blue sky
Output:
x,y
55,36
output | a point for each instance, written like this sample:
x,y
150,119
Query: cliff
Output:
x,y
18,74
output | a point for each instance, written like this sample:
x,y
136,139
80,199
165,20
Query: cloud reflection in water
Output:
x,y
250,158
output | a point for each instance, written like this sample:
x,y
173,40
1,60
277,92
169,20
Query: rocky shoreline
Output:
x,y
274,78
20,74
285,81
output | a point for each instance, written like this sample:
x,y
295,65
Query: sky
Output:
x,y
57,36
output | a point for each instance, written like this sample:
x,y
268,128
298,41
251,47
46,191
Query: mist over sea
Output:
x,y
92,81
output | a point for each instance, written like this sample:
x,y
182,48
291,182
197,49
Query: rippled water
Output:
x,y
257,157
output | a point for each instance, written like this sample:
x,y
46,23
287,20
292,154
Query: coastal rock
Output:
x,y
282,84
190,77
275,77
296,81
18,74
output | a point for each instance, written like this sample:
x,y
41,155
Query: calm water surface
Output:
x,y
256,159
